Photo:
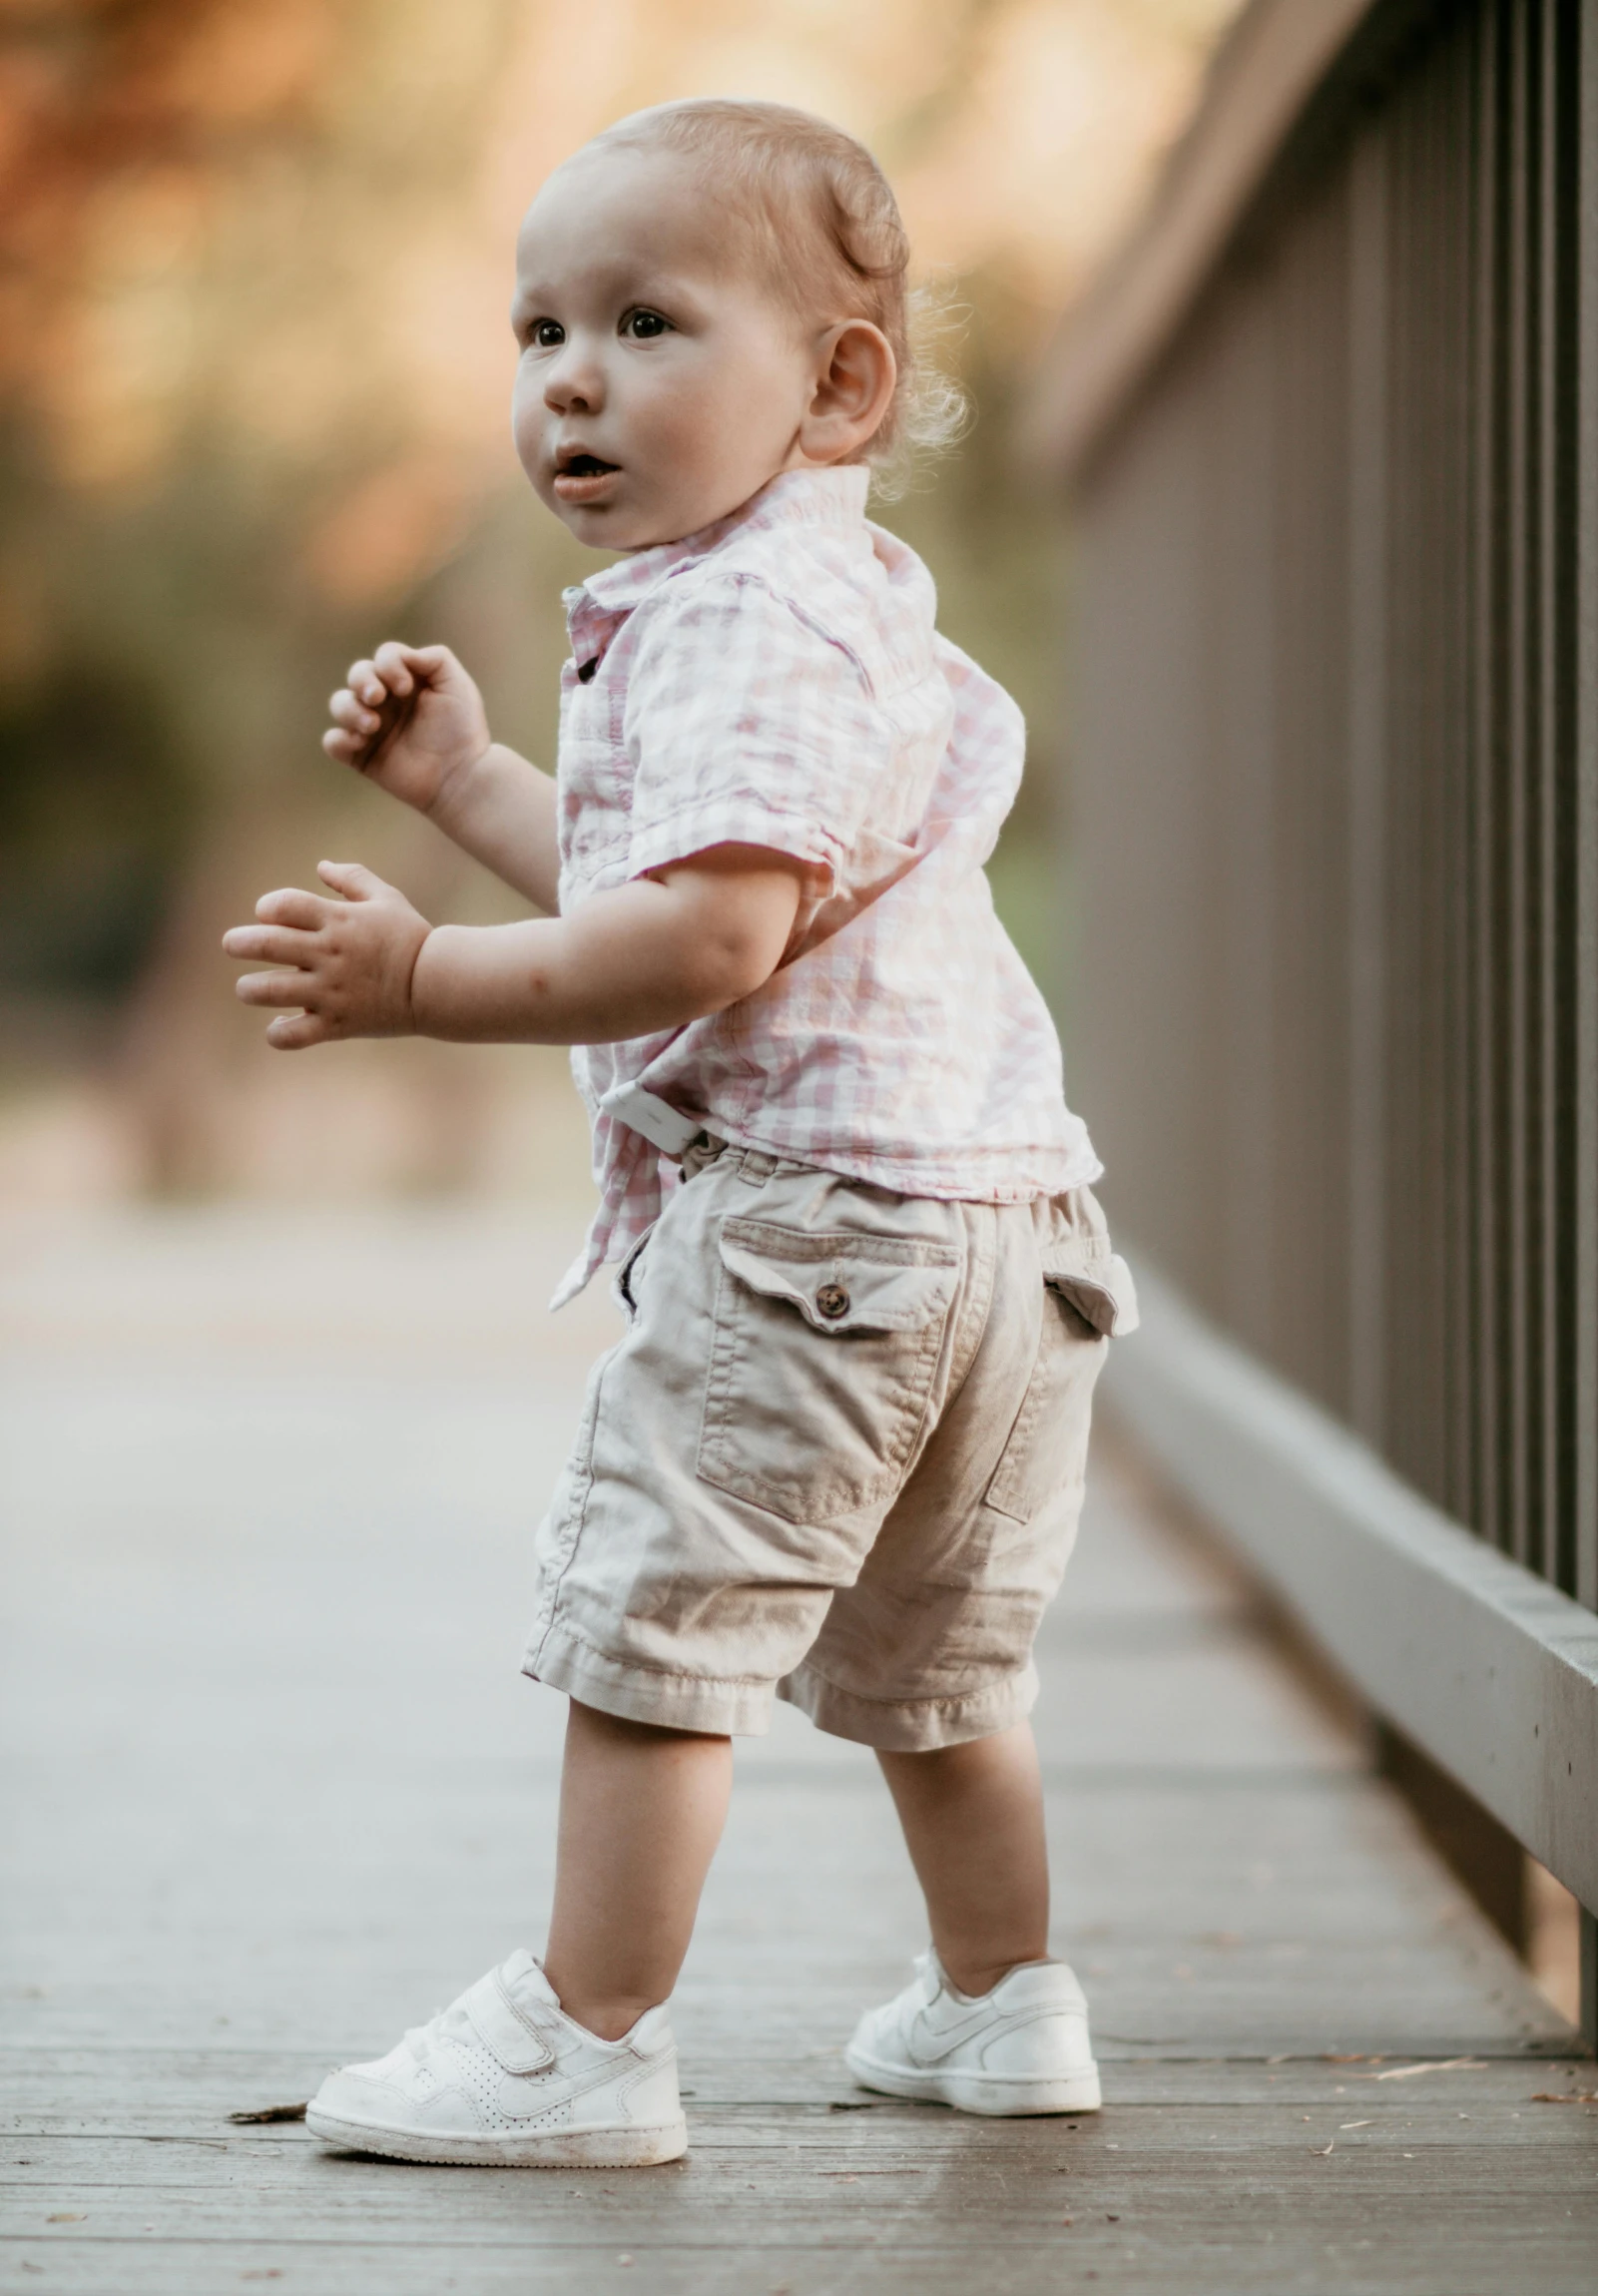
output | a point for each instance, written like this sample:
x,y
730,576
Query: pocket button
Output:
x,y
832,1301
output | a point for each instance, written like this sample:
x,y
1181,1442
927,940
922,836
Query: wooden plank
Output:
x,y
65,2095
1195,2188
1463,2139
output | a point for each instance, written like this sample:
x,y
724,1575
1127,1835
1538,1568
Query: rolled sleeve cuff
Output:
x,y
739,822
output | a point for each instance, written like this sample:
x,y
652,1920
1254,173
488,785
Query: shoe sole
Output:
x,y
979,2092
618,2147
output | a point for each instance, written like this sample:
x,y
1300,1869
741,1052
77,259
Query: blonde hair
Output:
x,y
830,241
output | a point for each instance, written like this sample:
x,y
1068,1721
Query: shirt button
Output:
x,y
832,1301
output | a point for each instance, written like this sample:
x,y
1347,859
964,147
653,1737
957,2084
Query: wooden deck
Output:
x,y
275,1790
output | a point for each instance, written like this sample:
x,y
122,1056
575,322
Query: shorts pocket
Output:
x,y
824,1349
1046,1454
624,1284
1098,1287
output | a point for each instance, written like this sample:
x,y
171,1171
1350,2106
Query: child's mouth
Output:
x,y
582,478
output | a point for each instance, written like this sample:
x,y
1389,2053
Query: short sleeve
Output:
x,y
747,723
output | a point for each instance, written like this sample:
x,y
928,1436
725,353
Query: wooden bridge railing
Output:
x,y
1330,425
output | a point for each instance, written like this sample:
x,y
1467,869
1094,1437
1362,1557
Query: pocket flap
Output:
x,y
1099,1288
840,1280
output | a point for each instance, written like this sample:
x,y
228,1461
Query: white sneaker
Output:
x,y
1023,2047
504,2078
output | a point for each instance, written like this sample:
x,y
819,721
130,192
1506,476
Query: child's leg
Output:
x,y
973,1823
973,1819
641,1813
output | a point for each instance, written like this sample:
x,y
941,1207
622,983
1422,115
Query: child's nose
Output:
x,y
574,381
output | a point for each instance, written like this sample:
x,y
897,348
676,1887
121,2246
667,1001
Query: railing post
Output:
x,y
1369,610
1586,969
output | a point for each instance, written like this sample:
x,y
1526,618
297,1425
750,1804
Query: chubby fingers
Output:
x,y
385,674
366,709
293,1031
285,937
308,911
284,931
392,674
353,726
404,668
274,945
272,987
353,880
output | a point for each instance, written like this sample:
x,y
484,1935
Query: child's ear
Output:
x,y
857,374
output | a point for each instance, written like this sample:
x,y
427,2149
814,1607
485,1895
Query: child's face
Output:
x,y
660,384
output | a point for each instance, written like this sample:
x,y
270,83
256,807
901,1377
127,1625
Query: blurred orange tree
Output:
x,y
253,375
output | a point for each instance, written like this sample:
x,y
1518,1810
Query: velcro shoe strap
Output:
x,y
514,2044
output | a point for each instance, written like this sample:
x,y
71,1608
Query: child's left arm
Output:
x,y
662,951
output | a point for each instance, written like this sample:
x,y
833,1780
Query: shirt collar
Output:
x,y
831,497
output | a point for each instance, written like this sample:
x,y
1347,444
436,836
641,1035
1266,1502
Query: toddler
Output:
x,y
836,1456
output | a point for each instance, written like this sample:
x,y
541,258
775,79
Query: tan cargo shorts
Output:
x,y
836,1457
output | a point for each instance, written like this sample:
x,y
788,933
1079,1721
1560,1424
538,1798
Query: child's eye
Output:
x,y
547,333
642,325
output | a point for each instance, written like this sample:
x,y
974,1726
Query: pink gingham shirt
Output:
x,y
778,681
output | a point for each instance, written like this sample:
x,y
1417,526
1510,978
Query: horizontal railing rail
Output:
x,y
1487,1668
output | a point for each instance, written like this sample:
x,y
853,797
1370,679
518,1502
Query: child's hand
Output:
x,y
410,720
348,963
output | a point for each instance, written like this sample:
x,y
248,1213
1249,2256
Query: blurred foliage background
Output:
x,y
254,372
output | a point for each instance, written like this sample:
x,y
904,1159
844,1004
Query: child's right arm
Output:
x,y
412,721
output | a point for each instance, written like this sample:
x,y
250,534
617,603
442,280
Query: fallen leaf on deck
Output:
x,y
1409,2071
1446,2065
1571,2097
271,2113
66,2216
